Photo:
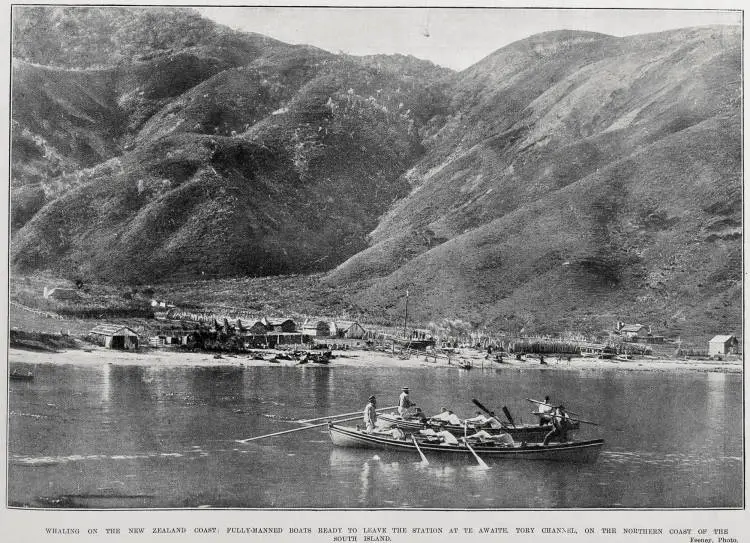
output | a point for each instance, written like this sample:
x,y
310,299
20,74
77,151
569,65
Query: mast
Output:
x,y
406,313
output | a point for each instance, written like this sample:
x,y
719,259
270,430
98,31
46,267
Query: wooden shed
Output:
x,y
721,345
279,325
634,331
115,336
316,328
253,328
58,293
350,330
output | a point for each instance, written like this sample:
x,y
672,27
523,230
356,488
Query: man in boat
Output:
x,y
370,415
446,416
559,430
419,415
482,421
502,438
545,409
404,403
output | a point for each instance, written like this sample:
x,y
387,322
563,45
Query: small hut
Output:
x,y
277,325
69,294
350,330
316,328
631,332
722,345
115,336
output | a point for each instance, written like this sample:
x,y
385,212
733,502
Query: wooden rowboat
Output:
x,y
519,432
582,451
15,376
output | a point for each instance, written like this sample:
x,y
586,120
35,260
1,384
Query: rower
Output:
x,y
446,416
502,438
482,421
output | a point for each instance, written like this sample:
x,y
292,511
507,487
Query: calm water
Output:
x,y
129,436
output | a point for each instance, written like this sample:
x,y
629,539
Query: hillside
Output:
x,y
202,163
565,181
600,180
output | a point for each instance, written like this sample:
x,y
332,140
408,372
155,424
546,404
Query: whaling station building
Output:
x,y
114,336
265,332
723,345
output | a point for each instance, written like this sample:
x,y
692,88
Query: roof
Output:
x,y
632,328
721,339
276,321
112,330
314,322
345,325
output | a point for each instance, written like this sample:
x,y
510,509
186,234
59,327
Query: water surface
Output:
x,y
158,436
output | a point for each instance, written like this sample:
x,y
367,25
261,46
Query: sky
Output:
x,y
455,38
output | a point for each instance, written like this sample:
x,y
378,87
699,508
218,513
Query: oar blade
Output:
x,y
482,463
419,450
480,406
508,416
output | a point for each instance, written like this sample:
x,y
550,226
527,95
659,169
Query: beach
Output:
x,y
363,358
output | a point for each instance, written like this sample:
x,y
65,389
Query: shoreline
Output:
x,y
360,358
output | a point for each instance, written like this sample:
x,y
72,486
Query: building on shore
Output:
x,y
348,330
115,336
315,328
722,345
69,294
279,325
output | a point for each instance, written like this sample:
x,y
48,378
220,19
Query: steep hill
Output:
x,y
190,165
565,181
578,179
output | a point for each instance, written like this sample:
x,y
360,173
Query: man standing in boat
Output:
x,y
559,426
404,403
370,415
545,410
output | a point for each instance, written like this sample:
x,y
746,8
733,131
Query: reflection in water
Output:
x,y
170,433
364,480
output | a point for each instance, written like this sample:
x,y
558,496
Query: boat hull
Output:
x,y
521,432
578,452
417,344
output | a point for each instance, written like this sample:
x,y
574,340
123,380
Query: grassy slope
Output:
x,y
540,123
297,191
591,150
637,241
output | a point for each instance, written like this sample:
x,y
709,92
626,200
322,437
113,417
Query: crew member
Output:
x,y
404,402
446,416
370,415
545,409
559,426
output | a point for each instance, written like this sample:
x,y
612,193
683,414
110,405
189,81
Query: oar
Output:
x,y
507,415
576,419
568,412
343,415
479,460
424,458
480,406
490,413
545,403
293,430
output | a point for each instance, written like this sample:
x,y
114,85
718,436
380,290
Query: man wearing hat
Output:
x,y
370,415
404,403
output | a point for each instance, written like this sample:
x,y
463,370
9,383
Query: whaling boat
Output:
x,y
16,376
581,451
519,432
